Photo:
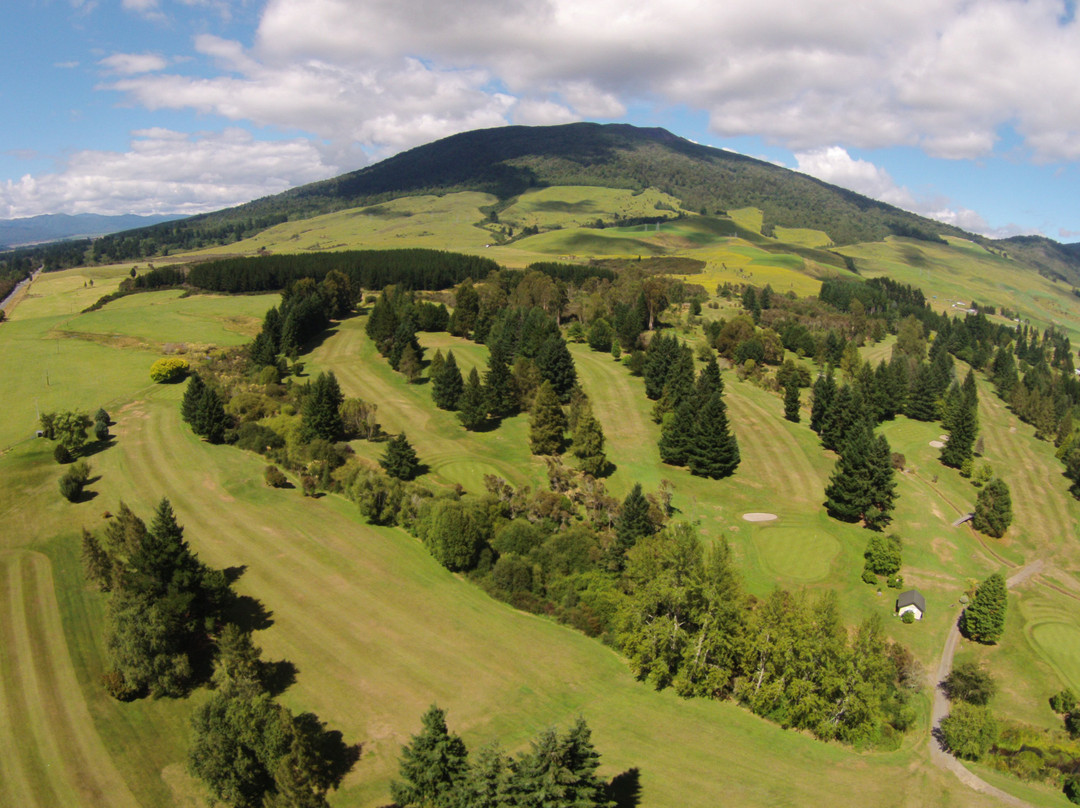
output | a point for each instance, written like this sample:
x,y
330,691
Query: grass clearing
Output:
x,y
575,206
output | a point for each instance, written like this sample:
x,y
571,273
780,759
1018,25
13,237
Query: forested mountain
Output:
x,y
56,226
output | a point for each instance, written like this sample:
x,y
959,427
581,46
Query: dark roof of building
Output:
x,y
911,598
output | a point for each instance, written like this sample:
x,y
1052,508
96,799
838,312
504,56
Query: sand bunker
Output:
x,y
759,517
936,444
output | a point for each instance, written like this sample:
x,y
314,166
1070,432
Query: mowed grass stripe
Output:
x,y
378,631
67,756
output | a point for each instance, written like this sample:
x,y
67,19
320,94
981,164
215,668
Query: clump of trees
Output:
x,y
862,486
559,771
164,603
74,481
993,509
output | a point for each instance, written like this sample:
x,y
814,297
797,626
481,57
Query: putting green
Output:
x,y
1059,644
799,553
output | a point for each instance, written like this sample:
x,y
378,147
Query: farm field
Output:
x,y
378,630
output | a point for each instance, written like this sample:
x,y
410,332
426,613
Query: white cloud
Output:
x,y
128,64
834,165
168,172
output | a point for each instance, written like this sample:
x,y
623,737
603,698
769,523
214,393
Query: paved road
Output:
x,y
21,285
938,756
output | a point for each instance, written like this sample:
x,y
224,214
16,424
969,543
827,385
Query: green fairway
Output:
x,y
796,554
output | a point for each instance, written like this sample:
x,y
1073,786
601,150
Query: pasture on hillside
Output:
x,y
378,630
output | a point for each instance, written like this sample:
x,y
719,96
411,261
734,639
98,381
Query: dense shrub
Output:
x,y
169,369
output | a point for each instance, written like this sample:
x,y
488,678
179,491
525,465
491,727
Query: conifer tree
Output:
x,y
433,766
189,406
472,406
502,397
849,494
557,366
993,509
436,363
97,566
589,444
963,430
632,523
823,393
837,420
447,386
882,485
714,451
400,460
210,419
409,365
547,422
922,398
984,618
321,410
791,403
678,433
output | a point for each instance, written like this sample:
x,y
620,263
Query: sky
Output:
x,y
964,110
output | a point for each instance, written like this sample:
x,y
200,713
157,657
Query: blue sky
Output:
x,y
968,112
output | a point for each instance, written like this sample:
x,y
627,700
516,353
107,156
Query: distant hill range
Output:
x,y
510,160
59,226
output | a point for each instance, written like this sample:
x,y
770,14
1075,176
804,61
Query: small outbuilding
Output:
x,y
911,601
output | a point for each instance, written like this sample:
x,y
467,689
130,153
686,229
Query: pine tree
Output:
x,y
502,397
557,366
97,566
409,365
210,419
589,444
400,460
547,422
472,405
824,391
433,766
632,523
714,451
964,427
678,433
993,509
837,420
882,485
984,618
189,406
922,398
848,494
447,386
791,403
321,410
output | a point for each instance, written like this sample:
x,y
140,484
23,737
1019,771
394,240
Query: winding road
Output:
x,y
938,755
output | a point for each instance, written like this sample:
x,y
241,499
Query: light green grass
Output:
x,y
803,236
575,206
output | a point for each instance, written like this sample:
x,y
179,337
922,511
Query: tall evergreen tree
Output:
x,y
433,766
447,386
964,429
588,445
321,410
632,523
862,484
210,419
502,396
547,422
473,404
922,397
679,432
791,403
189,406
400,460
823,393
557,366
714,451
984,618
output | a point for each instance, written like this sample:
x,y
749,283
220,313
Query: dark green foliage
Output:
x,y
559,772
963,425
791,403
274,477
714,451
189,405
502,396
883,554
101,431
400,460
984,618
993,509
322,418
466,309
633,522
862,485
969,731
1063,701
433,766
97,566
969,682
824,391
447,385
601,335
547,422
473,403
209,419
62,455
557,366
923,395
588,444
257,438
454,532
74,480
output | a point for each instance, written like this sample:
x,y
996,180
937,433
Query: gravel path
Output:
x,y
938,756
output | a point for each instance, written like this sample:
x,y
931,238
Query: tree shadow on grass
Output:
x,y
625,789
277,676
98,446
232,574
337,756
248,613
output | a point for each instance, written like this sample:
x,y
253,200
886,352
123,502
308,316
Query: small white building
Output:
x,y
911,601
